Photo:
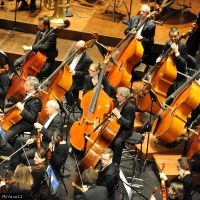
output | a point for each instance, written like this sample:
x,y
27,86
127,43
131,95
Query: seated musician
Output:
x,y
28,111
175,192
145,34
125,117
54,120
108,173
91,80
20,183
90,190
4,79
57,151
48,47
184,176
179,53
78,69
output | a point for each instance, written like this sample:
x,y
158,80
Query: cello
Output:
x,y
170,122
161,76
61,81
94,112
32,64
12,116
125,55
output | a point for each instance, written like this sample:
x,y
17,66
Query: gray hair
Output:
x,y
123,91
146,8
53,104
33,81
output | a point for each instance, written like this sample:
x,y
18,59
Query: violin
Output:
x,y
38,139
4,69
77,187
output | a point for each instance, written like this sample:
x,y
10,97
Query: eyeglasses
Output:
x,y
91,70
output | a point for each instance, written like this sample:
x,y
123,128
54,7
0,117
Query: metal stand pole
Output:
x,y
126,21
67,12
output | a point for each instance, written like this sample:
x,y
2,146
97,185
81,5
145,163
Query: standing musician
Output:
x,y
125,117
90,189
20,183
184,176
179,53
91,80
78,69
108,173
28,110
145,34
4,79
175,192
54,120
48,47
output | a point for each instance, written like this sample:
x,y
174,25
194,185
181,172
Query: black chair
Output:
x,y
136,138
191,65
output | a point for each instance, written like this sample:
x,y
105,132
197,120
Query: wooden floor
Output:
x,y
88,19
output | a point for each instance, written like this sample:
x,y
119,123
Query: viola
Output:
x,y
58,85
33,63
77,187
4,69
160,77
171,121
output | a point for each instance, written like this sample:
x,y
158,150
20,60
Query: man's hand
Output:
x,y
174,47
116,112
20,106
139,37
72,72
38,125
26,48
30,141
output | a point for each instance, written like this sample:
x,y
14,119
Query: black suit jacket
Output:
x,y
48,47
94,192
180,60
126,120
108,177
81,70
148,32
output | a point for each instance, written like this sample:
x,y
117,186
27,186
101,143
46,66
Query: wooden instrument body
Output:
x,y
161,79
31,67
58,86
173,119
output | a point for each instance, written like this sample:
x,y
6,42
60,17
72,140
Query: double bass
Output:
x,y
96,104
32,64
171,121
125,55
60,81
161,76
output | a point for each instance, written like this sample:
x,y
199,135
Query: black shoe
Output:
x,y
32,9
10,167
23,6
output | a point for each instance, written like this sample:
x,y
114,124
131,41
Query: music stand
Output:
x,y
126,21
51,181
67,12
154,98
11,34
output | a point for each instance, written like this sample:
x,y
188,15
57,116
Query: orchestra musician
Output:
x,y
54,120
91,80
28,110
179,54
175,192
125,117
20,183
24,6
108,173
78,69
4,79
145,34
184,176
57,151
90,189
48,47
